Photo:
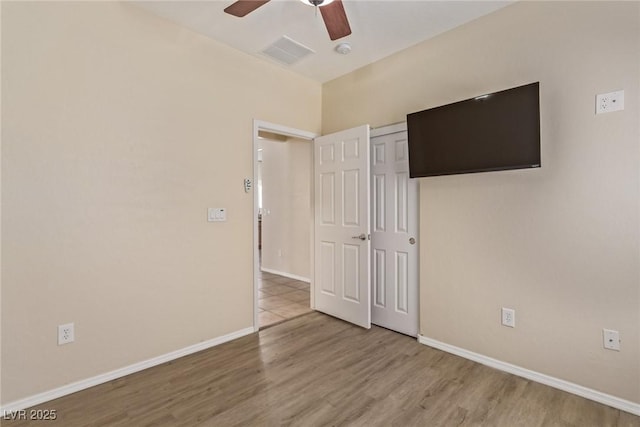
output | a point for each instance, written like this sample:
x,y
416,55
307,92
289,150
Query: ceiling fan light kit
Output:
x,y
333,14
316,2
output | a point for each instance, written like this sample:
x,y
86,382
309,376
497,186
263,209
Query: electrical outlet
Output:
x,y
611,339
609,102
508,317
65,334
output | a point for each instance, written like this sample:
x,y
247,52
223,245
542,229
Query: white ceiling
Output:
x,y
379,28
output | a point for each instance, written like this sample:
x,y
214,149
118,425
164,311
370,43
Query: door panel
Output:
x,y
327,196
378,194
351,280
402,283
395,219
379,277
342,258
327,258
351,198
401,202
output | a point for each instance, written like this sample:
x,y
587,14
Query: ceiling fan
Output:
x,y
333,14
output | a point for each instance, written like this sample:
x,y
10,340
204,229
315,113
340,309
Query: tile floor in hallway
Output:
x,y
281,298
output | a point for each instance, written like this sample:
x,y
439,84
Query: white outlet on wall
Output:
x,y
609,102
509,317
611,339
65,334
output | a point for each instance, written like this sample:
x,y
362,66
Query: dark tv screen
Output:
x,y
498,131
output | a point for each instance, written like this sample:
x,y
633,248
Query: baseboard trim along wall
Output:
x,y
289,275
119,373
597,396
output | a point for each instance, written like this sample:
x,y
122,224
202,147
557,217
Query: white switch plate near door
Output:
x,y
216,214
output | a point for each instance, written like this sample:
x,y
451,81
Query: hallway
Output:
x,y
281,298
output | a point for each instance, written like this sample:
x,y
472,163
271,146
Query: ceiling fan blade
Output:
x,y
244,7
335,19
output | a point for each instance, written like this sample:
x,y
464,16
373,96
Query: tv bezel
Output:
x,y
533,165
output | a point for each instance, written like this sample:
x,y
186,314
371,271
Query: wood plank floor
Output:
x,y
315,370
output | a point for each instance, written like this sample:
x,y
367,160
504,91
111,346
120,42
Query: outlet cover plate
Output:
x,y
611,339
66,334
610,102
508,317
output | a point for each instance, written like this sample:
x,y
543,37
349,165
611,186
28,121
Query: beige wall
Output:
x,y
286,218
558,244
119,129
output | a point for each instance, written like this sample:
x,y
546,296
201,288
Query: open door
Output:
x,y
341,225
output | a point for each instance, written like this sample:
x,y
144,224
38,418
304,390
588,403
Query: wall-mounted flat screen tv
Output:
x,y
492,132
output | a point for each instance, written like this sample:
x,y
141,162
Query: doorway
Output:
x,y
284,198
282,231
366,219
399,280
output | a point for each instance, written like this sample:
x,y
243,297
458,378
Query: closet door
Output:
x,y
394,199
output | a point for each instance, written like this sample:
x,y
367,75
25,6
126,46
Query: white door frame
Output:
x,y
259,125
388,129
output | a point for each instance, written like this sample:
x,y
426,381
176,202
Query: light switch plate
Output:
x,y
216,214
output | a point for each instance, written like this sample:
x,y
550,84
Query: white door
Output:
x,y
394,272
342,245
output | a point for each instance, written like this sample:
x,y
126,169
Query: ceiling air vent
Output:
x,y
287,51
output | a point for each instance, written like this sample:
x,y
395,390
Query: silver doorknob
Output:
x,y
412,240
361,237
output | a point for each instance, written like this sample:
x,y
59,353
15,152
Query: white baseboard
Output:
x,y
607,399
118,373
289,275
